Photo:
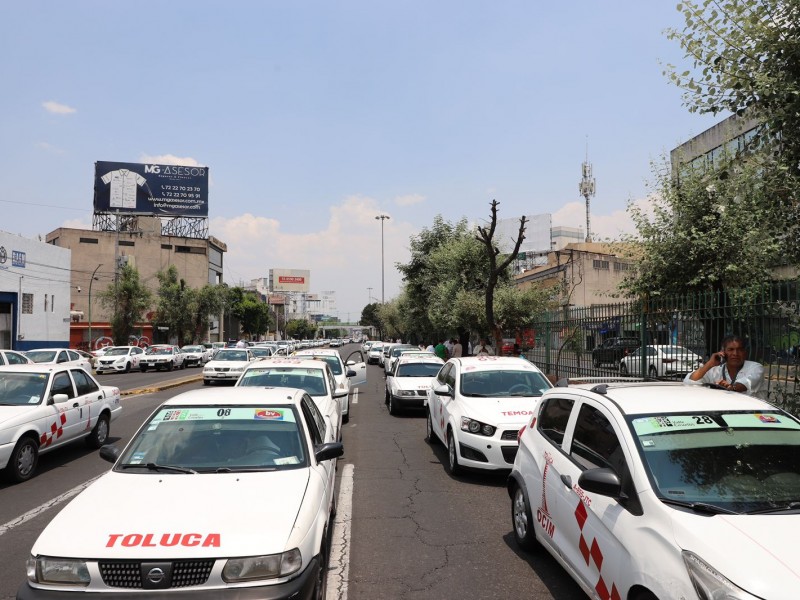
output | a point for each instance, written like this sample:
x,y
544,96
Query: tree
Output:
x,y
744,56
495,270
175,300
300,329
252,314
208,302
127,300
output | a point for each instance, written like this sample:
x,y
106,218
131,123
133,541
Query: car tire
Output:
x,y
143,369
644,595
346,416
321,585
452,454
653,372
623,370
522,520
206,382
171,366
99,434
393,410
127,367
22,463
430,436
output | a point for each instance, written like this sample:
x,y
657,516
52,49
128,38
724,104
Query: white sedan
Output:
x,y
408,383
348,373
44,407
59,356
162,356
227,365
10,357
196,355
252,472
661,361
477,405
661,491
119,358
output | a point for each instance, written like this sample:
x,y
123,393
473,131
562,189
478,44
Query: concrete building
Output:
x,y
35,286
704,151
94,256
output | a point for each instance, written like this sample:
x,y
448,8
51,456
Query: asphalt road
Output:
x,y
415,531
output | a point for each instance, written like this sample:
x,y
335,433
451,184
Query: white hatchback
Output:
x,y
250,474
477,405
661,491
119,358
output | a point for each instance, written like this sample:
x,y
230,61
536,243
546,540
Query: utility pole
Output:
x,y
587,189
382,218
369,295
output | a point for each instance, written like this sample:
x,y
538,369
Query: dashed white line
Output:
x,y
355,397
339,565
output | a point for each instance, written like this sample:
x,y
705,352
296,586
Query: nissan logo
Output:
x,y
155,575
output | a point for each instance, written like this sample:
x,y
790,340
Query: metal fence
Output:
x,y
570,341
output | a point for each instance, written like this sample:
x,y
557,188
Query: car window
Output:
x,y
417,369
15,359
594,442
22,388
314,419
83,382
553,418
62,384
503,383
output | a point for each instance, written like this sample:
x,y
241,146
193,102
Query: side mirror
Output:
x,y
338,393
110,453
328,451
351,373
601,481
59,398
442,390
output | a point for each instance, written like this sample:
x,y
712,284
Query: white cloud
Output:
x,y
409,199
49,148
170,159
58,109
573,214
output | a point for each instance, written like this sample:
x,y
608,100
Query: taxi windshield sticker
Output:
x,y
216,413
670,423
760,421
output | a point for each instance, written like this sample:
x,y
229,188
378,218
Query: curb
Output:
x,y
162,386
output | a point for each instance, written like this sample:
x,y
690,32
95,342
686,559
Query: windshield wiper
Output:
x,y
244,469
700,507
155,467
475,395
788,507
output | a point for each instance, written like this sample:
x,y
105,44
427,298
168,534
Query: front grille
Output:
x,y
422,392
222,369
128,574
510,435
509,453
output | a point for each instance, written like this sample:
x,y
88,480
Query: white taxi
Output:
x,y
59,356
162,356
44,407
228,365
477,405
308,374
119,358
662,491
407,384
250,474
348,374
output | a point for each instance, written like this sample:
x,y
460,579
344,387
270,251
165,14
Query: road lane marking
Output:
x,y
42,508
355,396
339,564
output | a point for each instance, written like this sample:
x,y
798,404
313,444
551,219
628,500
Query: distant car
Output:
x,y
11,357
59,356
119,358
208,453
196,355
45,406
348,373
476,407
396,350
162,356
612,350
661,490
662,361
263,351
89,356
408,382
308,374
227,365
374,353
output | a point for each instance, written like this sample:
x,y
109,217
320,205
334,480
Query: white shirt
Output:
x,y
241,344
751,375
123,187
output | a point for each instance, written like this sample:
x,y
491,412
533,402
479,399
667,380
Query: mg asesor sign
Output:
x,y
151,189
289,280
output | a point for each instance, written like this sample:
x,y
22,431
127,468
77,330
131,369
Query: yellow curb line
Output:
x,y
164,386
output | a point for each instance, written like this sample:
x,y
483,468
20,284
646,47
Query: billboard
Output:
x,y
150,189
289,280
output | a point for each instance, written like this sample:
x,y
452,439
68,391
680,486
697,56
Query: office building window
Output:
x,y
27,304
600,264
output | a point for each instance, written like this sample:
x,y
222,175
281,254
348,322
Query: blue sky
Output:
x,y
313,117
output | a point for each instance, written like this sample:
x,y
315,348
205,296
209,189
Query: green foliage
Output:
x,y
369,316
208,301
127,300
174,308
300,329
253,315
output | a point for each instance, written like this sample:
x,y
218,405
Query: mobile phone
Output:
x,y
720,357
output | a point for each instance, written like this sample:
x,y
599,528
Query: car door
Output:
x,y
589,521
437,403
355,362
67,418
136,356
319,428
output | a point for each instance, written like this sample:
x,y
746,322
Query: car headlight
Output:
x,y
262,567
237,369
58,571
476,427
406,393
709,583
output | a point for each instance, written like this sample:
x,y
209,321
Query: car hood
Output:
x,y
764,560
127,515
413,383
11,416
499,411
233,364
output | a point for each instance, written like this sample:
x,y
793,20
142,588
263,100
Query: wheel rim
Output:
x,y
102,430
429,427
26,459
520,515
451,450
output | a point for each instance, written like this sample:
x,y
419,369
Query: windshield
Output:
x,y
418,369
157,350
116,352
41,356
398,351
210,439
503,383
740,461
237,355
333,362
193,349
310,380
261,352
22,388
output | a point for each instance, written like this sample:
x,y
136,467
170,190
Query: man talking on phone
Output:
x,y
730,369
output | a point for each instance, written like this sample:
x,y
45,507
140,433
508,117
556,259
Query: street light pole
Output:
x,y
90,304
369,295
382,218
